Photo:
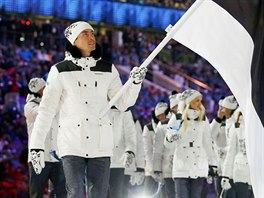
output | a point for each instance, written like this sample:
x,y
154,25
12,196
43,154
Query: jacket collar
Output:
x,y
81,62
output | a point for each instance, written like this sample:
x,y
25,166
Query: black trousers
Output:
x,y
243,190
118,183
169,188
52,171
188,188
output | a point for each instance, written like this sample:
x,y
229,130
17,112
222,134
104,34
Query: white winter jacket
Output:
x,y
81,93
125,136
163,155
31,112
220,132
236,163
193,153
140,160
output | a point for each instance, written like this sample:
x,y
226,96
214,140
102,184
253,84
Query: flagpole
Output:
x,y
171,30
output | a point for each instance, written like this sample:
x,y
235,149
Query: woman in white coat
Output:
x,y
236,163
193,155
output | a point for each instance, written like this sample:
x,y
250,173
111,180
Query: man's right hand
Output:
x,y
37,160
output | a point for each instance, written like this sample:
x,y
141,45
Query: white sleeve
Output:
x,y
208,144
140,161
130,132
158,148
148,147
31,110
218,133
47,110
129,97
231,153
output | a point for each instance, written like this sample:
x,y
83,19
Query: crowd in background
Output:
x,y
28,51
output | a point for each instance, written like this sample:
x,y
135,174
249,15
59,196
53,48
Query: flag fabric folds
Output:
x,y
229,35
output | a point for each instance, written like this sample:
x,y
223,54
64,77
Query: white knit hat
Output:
x,y
174,100
36,84
161,108
189,94
73,31
230,102
220,102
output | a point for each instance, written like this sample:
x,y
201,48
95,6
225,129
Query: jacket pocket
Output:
x,y
106,141
69,131
72,122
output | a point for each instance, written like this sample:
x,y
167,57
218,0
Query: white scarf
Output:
x,y
193,114
81,62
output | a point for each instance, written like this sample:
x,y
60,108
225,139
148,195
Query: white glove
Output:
x,y
138,74
225,184
173,133
171,137
137,178
129,161
37,160
158,177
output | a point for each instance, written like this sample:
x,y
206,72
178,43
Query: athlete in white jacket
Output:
x,y
220,131
236,163
193,155
149,130
163,155
53,167
125,140
81,86
137,177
